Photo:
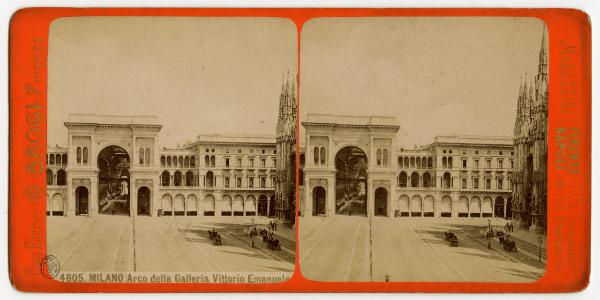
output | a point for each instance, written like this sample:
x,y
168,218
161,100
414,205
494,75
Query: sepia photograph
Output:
x,y
423,149
171,149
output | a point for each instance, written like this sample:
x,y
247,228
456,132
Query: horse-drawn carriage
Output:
x,y
272,243
452,238
215,237
509,244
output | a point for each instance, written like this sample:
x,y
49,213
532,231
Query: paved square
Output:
x,y
362,249
165,244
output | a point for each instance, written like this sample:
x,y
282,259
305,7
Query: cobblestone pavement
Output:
x,y
378,249
165,244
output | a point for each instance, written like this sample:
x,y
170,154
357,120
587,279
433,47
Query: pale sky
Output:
x,y
437,76
198,75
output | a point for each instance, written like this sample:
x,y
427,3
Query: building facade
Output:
x,y
113,165
285,180
531,148
351,166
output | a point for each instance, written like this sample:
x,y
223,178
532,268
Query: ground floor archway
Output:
x,y
250,205
81,201
446,207
319,196
113,181
381,202
351,165
58,205
143,201
263,205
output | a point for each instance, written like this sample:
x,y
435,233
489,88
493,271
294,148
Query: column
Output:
x,y
93,196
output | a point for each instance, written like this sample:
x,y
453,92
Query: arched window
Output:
x,y
209,179
400,162
444,162
193,161
412,162
446,181
78,156
85,155
406,162
213,161
58,159
51,159
49,177
162,160
165,178
450,162
61,177
414,179
186,161
175,161
177,178
64,159
206,160
385,157
189,178
418,162
430,162
147,156
316,154
181,161
168,161
402,179
426,179
323,155
141,155
379,157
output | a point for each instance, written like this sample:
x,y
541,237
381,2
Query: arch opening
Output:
x,y
81,201
381,202
351,181
143,201
319,201
113,181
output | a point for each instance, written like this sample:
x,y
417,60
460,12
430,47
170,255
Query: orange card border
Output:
x,y
569,189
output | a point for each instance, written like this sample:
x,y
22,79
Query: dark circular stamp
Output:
x,y
50,266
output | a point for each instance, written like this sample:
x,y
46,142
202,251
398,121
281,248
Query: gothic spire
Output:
x,y
543,57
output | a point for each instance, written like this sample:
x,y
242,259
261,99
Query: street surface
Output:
x,y
340,249
166,244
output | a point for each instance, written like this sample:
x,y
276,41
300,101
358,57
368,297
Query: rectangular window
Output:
x,y
488,183
239,182
274,163
252,162
239,162
226,181
464,183
500,162
488,163
476,164
263,182
475,183
512,165
499,184
227,162
263,162
464,161
251,182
